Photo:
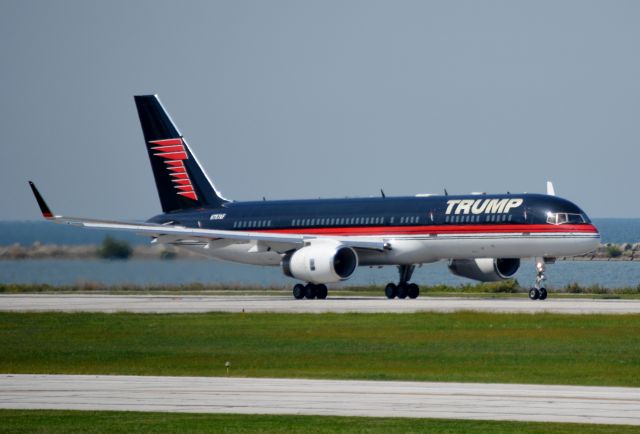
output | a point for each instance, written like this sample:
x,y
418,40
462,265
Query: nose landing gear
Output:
x,y
539,292
403,289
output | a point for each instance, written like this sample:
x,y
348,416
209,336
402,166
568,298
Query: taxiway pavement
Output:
x,y
286,304
520,402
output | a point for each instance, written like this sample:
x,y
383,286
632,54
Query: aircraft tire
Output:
x,y
298,291
391,290
534,294
403,291
310,291
413,290
321,291
543,294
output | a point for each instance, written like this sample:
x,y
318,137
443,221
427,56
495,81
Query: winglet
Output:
x,y
44,208
550,190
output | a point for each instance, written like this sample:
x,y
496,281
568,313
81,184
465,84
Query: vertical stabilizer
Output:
x,y
181,182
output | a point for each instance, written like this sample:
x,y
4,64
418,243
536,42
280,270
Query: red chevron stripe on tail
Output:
x,y
174,152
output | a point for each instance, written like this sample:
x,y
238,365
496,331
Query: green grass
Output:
x,y
468,347
55,421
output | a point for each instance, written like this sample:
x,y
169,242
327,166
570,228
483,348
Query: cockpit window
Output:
x,y
561,218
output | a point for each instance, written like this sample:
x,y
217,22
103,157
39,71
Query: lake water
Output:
x,y
612,274
609,274
28,232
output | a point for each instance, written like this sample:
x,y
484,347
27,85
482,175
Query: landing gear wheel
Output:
x,y
310,291
321,291
391,290
403,291
543,293
534,293
540,292
298,291
413,290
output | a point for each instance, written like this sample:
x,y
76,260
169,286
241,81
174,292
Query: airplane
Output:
x,y
483,237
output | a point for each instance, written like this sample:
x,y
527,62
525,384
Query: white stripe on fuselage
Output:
x,y
430,248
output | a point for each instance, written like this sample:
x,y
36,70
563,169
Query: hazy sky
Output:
x,y
298,99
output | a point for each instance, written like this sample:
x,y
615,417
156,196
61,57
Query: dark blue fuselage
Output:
x,y
374,211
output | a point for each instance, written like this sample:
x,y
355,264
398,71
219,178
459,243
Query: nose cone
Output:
x,y
595,238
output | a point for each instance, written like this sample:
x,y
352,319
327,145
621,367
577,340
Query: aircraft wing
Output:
x,y
176,232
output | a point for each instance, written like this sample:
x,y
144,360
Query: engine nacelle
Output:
x,y
321,263
485,269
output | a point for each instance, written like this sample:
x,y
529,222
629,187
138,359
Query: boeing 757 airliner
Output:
x,y
482,236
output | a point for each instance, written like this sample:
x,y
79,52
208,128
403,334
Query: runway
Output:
x,y
286,304
597,405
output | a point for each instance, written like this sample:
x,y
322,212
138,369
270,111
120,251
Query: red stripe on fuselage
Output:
x,y
437,230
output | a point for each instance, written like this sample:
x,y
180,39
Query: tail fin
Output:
x,y
181,182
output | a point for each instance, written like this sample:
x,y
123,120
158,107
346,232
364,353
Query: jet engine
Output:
x,y
485,269
321,263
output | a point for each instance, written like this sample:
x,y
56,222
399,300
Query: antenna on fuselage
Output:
x,y
382,193
446,193
551,191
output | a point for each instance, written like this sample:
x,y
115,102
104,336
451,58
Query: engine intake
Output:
x,y
321,263
485,269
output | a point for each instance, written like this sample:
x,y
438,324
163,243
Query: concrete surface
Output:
x,y
520,402
231,303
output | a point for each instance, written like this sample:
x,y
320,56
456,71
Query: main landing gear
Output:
x,y
539,292
403,289
309,291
